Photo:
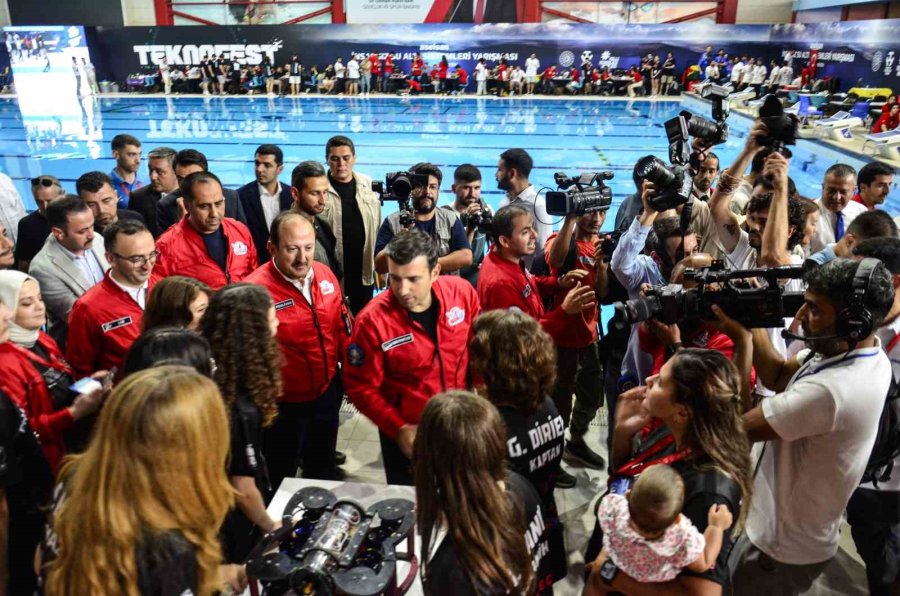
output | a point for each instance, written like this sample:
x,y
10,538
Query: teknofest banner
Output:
x,y
849,52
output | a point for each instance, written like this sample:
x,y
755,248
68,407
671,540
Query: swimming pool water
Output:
x,y
49,135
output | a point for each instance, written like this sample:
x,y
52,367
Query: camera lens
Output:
x,y
401,187
653,169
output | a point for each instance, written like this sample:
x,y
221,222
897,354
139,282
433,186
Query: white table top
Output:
x,y
363,493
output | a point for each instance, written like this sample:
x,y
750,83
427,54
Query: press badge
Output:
x,y
123,322
239,248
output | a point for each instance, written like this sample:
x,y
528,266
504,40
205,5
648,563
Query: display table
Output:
x,y
870,92
364,494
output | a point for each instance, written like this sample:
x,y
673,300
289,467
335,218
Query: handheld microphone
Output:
x,y
788,335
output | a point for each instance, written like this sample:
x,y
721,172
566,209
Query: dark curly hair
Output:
x,y
515,358
246,354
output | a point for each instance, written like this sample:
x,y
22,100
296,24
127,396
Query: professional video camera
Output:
x,y
781,127
753,297
398,186
328,546
674,184
589,195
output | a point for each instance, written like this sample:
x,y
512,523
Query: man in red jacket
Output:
x,y
409,344
206,245
106,320
313,330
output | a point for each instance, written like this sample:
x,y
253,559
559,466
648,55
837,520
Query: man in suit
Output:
x,y
162,182
483,11
170,209
265,198
96,190
71,262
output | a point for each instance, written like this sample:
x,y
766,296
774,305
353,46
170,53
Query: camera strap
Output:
x,y
644,460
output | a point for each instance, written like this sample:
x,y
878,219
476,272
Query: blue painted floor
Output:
x,y
65,137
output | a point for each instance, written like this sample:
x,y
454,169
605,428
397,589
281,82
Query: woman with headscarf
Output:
x,y
35,375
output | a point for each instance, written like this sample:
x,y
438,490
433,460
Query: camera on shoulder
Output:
x,y
589,194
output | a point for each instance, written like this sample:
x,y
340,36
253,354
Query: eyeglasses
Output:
x,y
43,181
139,260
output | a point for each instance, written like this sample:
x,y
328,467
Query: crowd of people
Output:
x,y
171,350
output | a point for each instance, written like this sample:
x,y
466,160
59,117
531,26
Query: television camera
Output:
x,y
398,186
589,194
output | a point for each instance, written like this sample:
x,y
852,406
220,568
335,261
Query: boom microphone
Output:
x,y
805,339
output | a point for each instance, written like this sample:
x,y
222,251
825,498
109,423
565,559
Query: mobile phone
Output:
x,y
109,378
85,385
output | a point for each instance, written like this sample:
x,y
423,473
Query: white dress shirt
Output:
x,y
87,263
138,294
827,228
271,204
304,285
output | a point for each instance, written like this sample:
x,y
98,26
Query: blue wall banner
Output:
x,y
848,51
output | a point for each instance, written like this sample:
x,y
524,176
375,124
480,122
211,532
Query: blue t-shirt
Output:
x,y
458,238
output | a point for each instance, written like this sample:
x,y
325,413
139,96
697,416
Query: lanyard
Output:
x,y
638,464
55,364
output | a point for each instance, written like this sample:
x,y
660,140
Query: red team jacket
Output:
x,y
393,365
503,284
103,324
183,252
579,330
26,387
312,338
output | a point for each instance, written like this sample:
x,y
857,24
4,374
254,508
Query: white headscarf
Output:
x,y
11,283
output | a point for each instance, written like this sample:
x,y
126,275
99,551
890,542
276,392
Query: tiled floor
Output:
x,y
358,438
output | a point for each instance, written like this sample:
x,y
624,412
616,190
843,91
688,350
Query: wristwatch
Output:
x,y
608,572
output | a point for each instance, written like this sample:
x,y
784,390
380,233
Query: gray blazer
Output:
x,y
62,282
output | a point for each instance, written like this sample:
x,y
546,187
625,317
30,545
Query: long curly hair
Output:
x,y
156,464
708,384
245,351
460,460
514,357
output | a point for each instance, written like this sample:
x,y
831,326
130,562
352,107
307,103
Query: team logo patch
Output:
x,y
527,291
355,355
326,287
123,322
284,304
455,316
397,341
239,248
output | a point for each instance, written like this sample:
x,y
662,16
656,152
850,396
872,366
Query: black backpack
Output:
x,y
887,440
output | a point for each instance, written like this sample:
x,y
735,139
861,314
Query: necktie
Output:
x,y
839,228
479,12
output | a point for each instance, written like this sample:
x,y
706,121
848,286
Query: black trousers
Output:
x,y
358,296
874,518
397,467
306,430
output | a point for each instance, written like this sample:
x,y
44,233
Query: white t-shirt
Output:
x,y
775,75
517,75
480,72
353,69
737,71
759,74
712,71
339,70
786,75
531,67
826,420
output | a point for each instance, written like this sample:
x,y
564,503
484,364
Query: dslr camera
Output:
x,y
781,127
398,186
757,303
674,184
589,194
481,221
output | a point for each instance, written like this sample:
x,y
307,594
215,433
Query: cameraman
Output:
x,y
578,366
441,225
874,509
634,269
819,429
468,205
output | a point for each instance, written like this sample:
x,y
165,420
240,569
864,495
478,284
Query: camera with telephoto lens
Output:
x,y
589,195
398,186
753,297
781,127
675,183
